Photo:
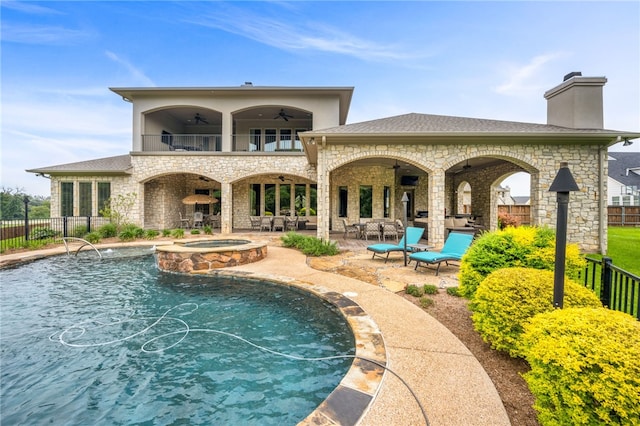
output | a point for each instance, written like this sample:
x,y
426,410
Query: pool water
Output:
x,y
115,341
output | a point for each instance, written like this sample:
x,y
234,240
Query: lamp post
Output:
x,y
562,185
405,201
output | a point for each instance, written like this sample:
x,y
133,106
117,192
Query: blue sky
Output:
x,y
471,59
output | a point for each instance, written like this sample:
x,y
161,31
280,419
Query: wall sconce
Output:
x,y
312,141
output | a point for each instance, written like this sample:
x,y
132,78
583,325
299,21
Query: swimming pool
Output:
x,y
116,341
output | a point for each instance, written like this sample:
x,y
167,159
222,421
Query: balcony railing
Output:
x,y
265,143
182,142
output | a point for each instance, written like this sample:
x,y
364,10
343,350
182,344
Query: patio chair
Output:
x,y
255,222
278,223
184,222
389,230
265,223
399,227
371,228
350,229
198,219
291,223
454,248
412,235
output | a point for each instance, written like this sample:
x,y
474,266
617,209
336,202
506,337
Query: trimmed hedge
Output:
x,y
525,246
508,298
585,367
311,246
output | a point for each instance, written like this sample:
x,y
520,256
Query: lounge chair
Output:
x,y
454,248
412,235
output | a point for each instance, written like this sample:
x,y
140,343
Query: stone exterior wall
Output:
x,y
541,161
161,181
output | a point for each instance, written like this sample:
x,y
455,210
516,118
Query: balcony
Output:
x,y
182,142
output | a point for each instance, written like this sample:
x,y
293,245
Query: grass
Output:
x,y
623,247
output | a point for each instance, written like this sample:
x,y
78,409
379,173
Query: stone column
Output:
x,y
227,129
323,195
226,208
437,203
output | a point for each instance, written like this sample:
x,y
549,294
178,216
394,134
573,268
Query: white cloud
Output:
x,y
136,73
525,79
42,34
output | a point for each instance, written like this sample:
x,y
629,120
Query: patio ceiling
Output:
x,y
409,169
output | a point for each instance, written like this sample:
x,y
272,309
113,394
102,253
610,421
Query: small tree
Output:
x,y
118,208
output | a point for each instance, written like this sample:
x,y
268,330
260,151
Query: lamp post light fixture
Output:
x,y
563,184
405,201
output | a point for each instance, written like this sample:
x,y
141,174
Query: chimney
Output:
x,y
576,102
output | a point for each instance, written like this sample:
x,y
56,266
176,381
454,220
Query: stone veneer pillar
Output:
x,y
226,207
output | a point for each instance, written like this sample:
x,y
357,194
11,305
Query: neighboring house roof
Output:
x,y
120,164
624,167
520,200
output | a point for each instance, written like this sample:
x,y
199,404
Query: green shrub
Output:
x,y
108,230
207,229
453,291
130,232
150,234
79,231
508,298
195,232
166,232
585,367
525,246
177,233
425,302
414,290
430,289
311,246
303,212
93,237
43,234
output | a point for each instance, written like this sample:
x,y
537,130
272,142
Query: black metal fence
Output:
x,y
16,233
618,289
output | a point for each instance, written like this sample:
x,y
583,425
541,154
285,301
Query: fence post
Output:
x,y
88,224
64,227
26,217
605,288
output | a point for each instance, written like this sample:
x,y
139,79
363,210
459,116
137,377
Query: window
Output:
x,y
85,201
285,199
313,193
300,198
255,142
386,201
626,200
270,138
366,198
254,197
615,201
285,139
343,201
66,199
270,198
104,195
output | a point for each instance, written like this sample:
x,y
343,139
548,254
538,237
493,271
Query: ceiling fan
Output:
x,y
282,178
200,119
466,166
283,115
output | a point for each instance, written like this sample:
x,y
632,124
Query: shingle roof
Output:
x,y
620,165
415,123
110,165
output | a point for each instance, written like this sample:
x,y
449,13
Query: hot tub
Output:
x,y
206,255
